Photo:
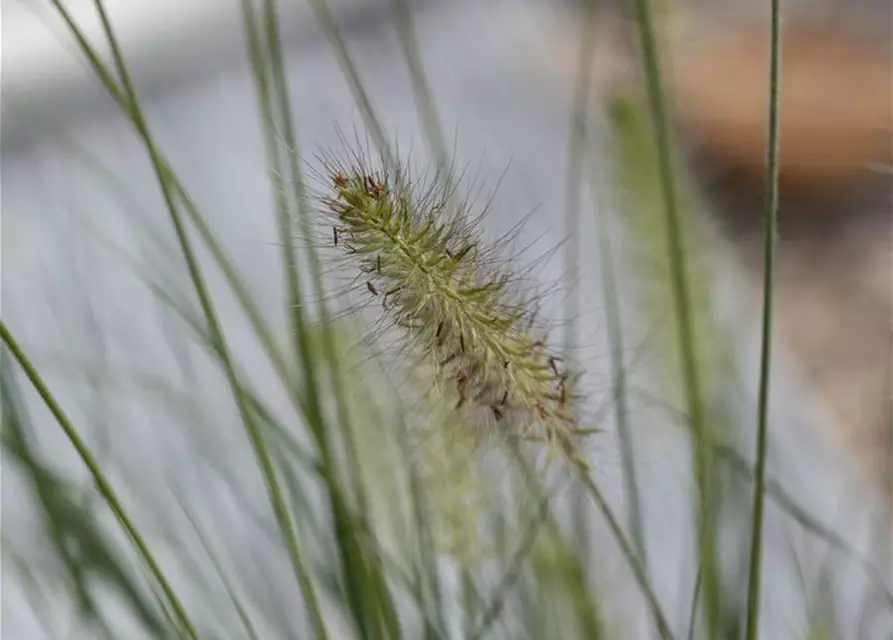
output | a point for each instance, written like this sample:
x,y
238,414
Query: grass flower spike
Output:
x,y
419,253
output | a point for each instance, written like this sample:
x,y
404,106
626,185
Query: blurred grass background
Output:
x,y
258,466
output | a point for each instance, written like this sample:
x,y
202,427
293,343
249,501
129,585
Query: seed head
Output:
x,y
447,296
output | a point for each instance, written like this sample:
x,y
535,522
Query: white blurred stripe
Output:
x,y
162,40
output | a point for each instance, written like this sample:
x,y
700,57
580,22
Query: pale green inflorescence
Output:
x,y
423,258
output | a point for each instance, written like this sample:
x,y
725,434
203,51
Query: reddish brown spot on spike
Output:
x,y
463,253
497,413
373,188
339,179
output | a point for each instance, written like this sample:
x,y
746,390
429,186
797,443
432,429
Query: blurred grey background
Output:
x,y
76,304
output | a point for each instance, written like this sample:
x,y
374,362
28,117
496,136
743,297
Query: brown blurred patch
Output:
x,y
834,282
834,275
835,104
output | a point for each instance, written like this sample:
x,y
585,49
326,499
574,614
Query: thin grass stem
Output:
x,y
134,110
614,327
770,228
638,569
682,301
573,185
348,67
420,86
102,484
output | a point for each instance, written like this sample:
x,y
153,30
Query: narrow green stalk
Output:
x,y
236,283
297,320
663,625
134,110
280,88
369,589
609,284
695,597
244,618
617,532
102,484
770,226
420,86
361,97
784,501
427,561
682,300
575,153
614,328
260,327
543,518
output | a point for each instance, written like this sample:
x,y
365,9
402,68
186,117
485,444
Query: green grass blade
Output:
x,y
574,182
330,26
629,552
294,296
695,598
86,554
367,592
614,327
770,227
420,86
133,109
244,618
640,170
279,86
512,574
576,162
233,279
102,484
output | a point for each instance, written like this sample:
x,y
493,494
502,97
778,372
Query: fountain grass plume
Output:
x,y
417,249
